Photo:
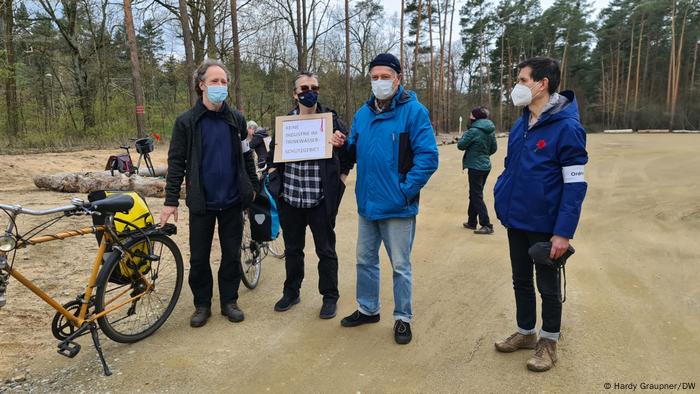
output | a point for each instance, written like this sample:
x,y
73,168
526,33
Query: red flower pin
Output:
x,y
155,135
541,144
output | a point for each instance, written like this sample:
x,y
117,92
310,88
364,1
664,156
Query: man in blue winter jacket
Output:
x,y
393,144
538,198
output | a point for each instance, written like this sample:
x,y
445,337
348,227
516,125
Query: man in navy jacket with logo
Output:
x,y
538,198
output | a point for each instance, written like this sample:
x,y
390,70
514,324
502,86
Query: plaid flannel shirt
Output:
x,y
302,184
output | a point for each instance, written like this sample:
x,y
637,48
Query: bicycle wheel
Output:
x,y
276,246
159,288
251,261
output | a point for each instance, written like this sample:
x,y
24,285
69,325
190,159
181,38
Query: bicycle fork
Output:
x,y
4,278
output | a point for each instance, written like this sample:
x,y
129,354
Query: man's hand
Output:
x,y
343,177
559,246
338,139
166,213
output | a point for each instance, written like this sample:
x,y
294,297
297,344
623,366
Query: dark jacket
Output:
x,y
257,143
479,143
185,159
542,186
333,187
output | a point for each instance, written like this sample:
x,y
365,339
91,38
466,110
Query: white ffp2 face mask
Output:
x,y
383,88
521,95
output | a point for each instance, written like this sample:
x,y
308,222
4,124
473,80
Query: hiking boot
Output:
x,y
358,318
469,226
285,303
515,342
402,332
200,316
327,310
545,356
484,230
233,312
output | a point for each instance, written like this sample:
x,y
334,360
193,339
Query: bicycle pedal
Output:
x,y
69,349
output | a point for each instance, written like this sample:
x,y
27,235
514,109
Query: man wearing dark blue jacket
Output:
x,y
538,198
393,143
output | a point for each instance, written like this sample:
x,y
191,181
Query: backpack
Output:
x,y
263,215
121,163
139,217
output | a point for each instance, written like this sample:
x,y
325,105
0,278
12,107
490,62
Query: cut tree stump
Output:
x,y
86,182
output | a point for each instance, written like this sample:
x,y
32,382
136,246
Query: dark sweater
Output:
x,y
219,160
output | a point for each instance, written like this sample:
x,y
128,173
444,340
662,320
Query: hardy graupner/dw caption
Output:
x,y
652,386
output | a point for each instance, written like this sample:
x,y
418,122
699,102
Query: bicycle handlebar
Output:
x,y
18,209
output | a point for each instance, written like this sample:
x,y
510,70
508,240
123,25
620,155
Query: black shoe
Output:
x,y
200,316
402,332
484,230
358,318
469,226
233,312
327,310
285,303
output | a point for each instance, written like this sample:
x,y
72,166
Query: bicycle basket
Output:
x,y
144,145
138,217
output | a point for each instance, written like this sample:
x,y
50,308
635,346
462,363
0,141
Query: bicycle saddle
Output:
x,y
113,204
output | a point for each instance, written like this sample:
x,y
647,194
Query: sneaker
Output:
x,y
469,226
233,312
327,310
545,356
285,303
358,318
200,316
484,230
402,332
515,342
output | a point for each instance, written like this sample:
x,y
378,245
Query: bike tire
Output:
x,y
276,246
170,259
251,260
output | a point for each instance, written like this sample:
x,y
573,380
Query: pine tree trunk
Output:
x,y
13,125
236,56
135,70
416,49
639,60
189,57
348,84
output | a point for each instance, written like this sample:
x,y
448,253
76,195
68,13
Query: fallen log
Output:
x,y
86,182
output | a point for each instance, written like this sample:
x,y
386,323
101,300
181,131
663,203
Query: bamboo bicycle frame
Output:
x,y
82,317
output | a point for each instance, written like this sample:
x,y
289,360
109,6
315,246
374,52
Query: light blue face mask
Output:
x,y
217,94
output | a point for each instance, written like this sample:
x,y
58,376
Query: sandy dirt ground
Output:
x,y
632,313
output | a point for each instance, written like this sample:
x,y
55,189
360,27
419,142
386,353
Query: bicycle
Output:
x,y
124,164
136,275
253,252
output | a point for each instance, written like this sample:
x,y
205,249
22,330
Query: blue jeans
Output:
x,y
397,235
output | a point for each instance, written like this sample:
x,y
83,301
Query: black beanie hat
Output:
x,y
386,59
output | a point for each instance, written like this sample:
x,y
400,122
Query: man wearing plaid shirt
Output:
x,y
309,193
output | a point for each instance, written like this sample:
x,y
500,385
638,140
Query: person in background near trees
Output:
x,y
538,198
393,143
478,144
257,139
208,150
309,194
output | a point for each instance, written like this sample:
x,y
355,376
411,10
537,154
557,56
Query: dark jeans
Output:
x,y
201,234
294,222
477,208
525,301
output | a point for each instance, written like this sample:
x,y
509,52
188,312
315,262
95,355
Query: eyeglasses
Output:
x,y
306,88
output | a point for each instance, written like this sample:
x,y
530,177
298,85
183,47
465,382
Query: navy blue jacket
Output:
x,y
219,162
542,186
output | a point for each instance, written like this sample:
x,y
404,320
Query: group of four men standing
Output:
x,y
391,141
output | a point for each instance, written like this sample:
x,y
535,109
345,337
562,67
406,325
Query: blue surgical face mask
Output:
x,y
217,94
308,99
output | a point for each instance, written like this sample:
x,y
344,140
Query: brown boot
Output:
x,y
515,342
545,356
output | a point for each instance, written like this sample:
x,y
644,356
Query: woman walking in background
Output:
x,y
478,144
